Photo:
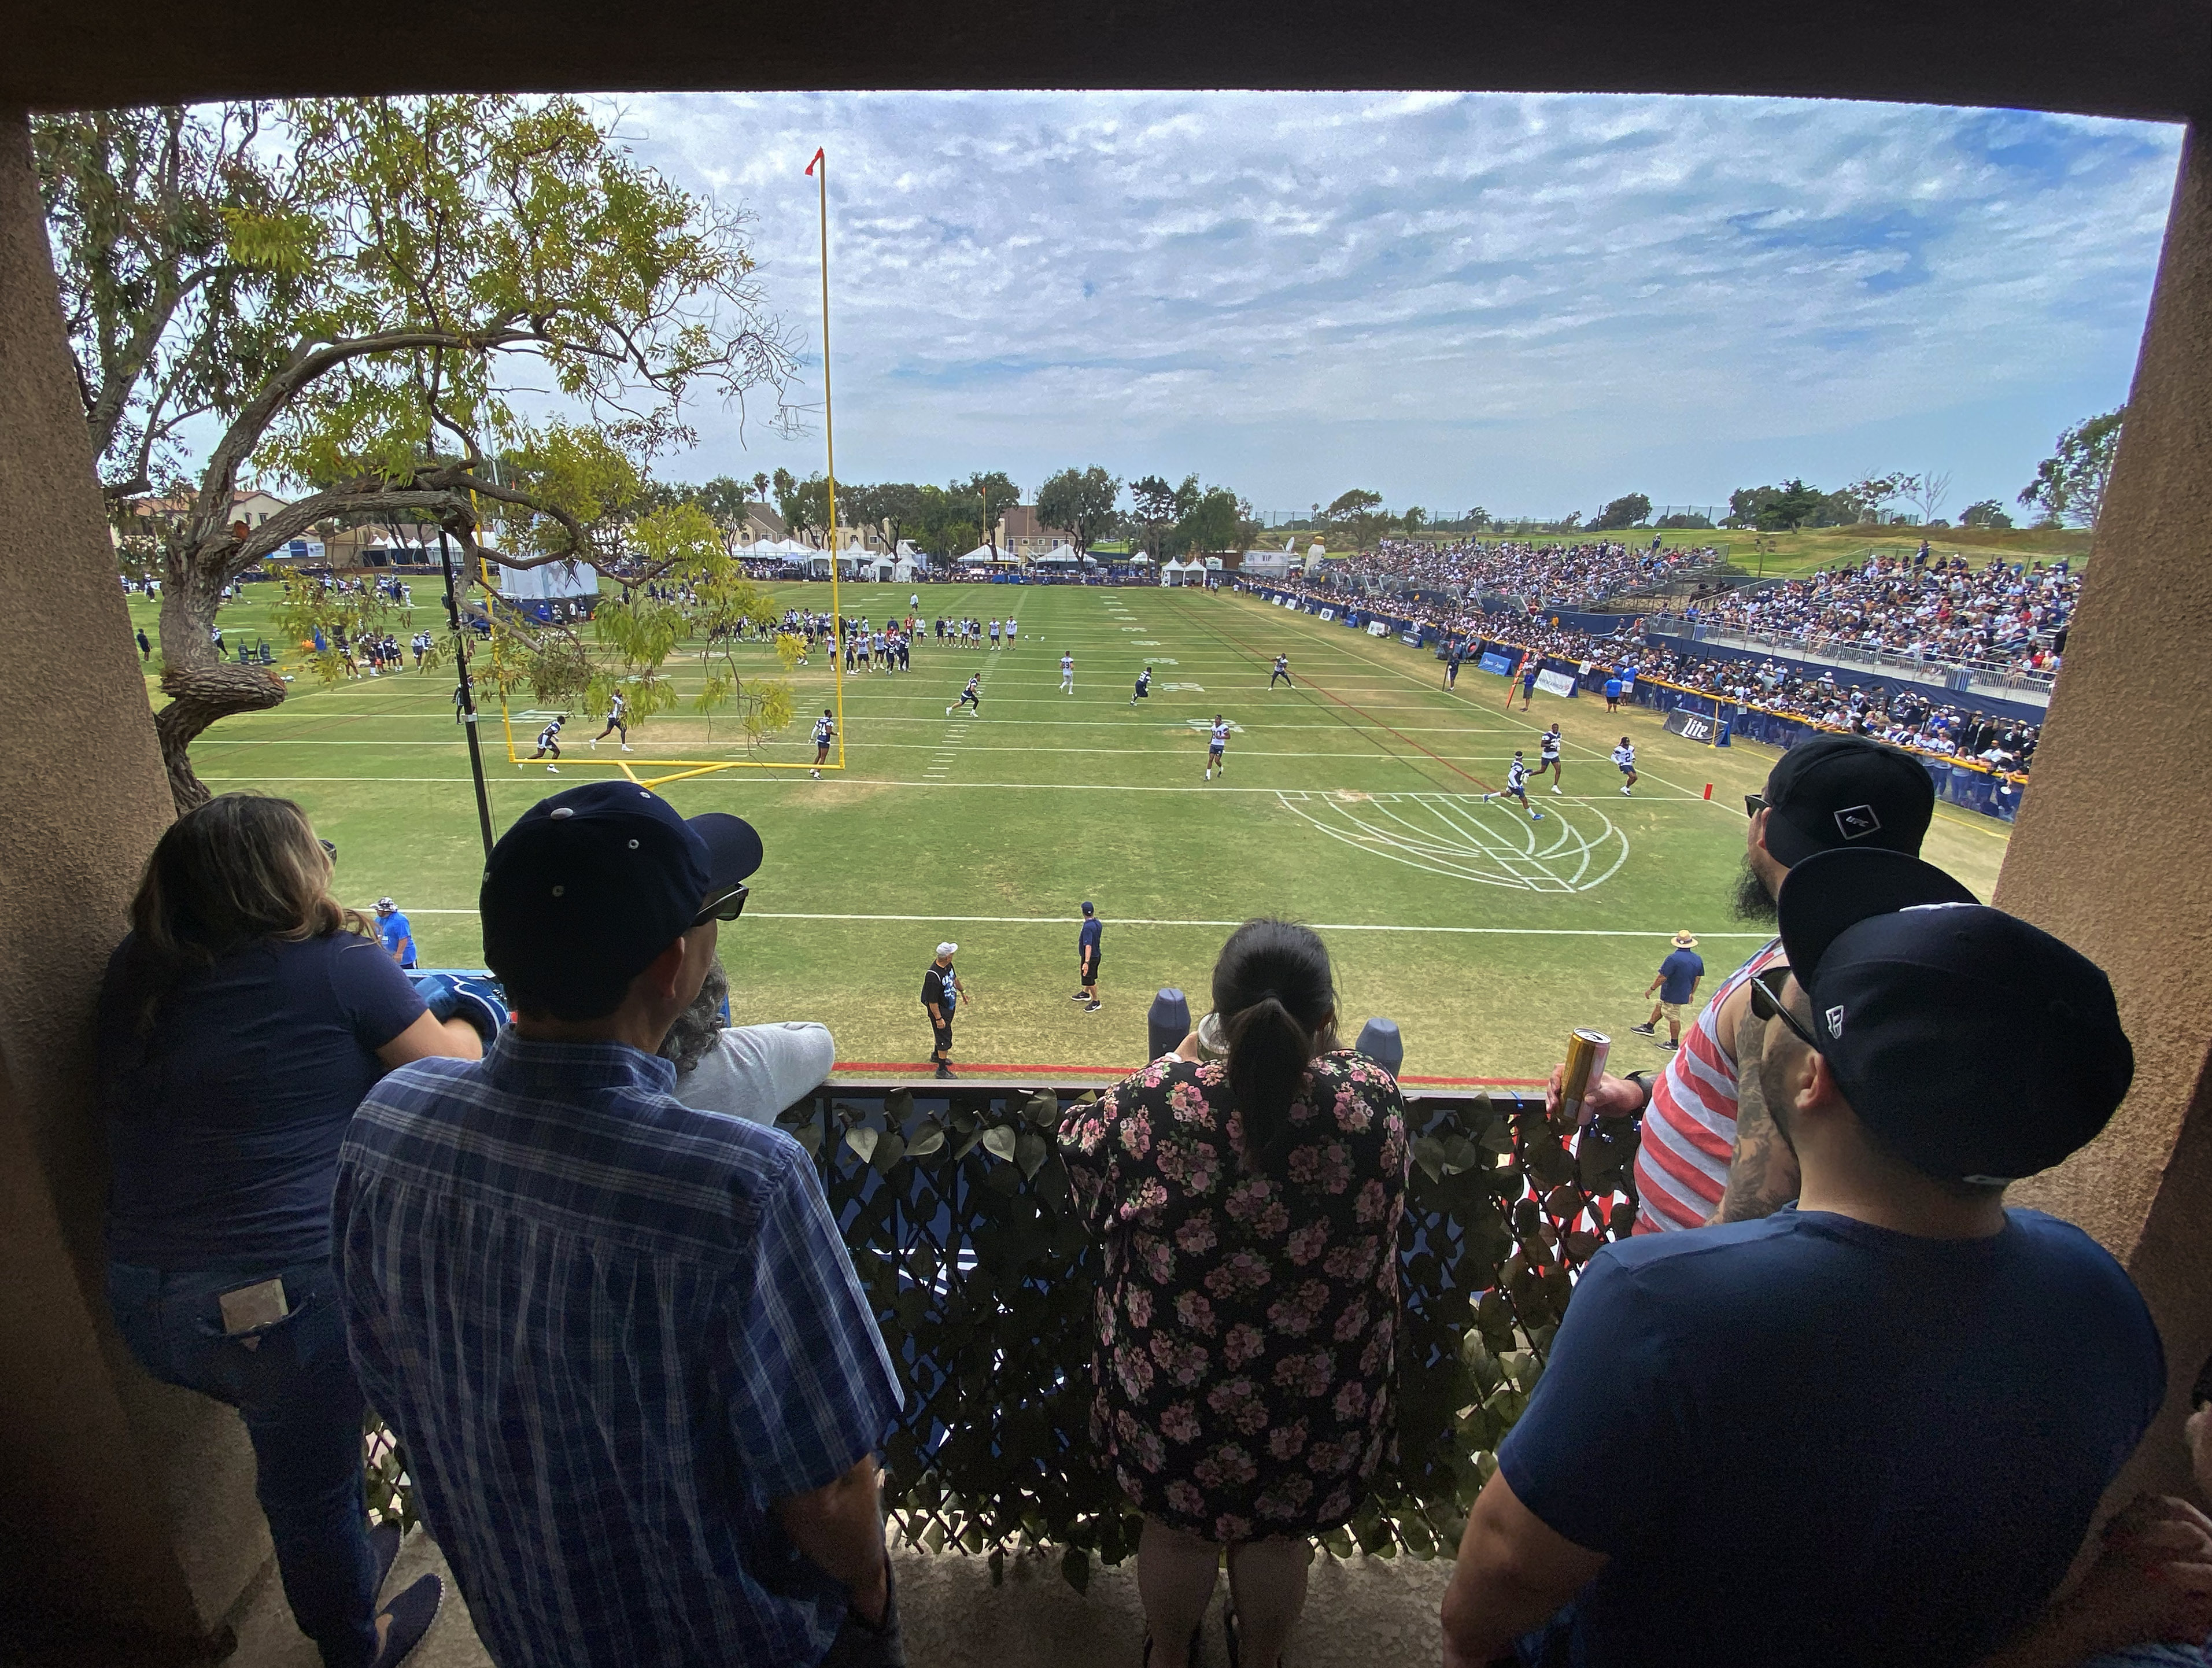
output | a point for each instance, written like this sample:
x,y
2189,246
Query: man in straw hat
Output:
x,y
1676,983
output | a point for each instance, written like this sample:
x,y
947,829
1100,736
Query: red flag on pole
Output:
x,y
818,158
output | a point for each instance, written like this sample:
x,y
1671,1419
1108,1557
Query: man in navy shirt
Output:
x,y
1677,984
1086,959
1872,1427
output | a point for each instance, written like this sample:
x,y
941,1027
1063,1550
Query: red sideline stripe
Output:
x,y
1481,1082
1124,1071
975,1065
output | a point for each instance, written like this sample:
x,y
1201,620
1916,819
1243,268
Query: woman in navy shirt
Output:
x,y
241,1020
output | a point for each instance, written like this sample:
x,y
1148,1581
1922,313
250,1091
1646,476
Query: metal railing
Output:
x,y
1984,672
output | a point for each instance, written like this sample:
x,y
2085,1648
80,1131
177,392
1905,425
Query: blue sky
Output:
x,y
1532,303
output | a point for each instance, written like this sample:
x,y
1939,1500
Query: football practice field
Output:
x,y
1351,801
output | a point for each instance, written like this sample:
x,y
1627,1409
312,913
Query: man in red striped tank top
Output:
x,y
1709,1153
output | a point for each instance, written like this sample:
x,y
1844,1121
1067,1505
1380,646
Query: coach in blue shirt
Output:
x,y
639,1387
1872,1428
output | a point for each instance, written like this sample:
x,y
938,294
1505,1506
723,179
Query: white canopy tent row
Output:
x,y
984,556
1177,572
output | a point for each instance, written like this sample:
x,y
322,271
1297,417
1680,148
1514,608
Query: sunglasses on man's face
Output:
x,y
723,906
1767,1004
1753,804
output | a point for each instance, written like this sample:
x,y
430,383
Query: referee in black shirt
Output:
x,y
941,991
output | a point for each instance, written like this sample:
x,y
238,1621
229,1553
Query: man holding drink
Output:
x,y
1709,1153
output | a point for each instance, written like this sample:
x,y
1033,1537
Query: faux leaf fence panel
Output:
x,y
963,1230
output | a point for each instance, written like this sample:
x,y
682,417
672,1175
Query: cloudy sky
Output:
x,y
1528,303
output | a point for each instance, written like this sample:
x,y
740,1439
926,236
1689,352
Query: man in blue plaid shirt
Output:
x,y
640,1388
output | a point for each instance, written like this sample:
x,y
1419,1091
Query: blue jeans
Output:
x,y
296,1388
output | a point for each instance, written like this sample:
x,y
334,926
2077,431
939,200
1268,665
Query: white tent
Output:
x,y
1182,573
983,556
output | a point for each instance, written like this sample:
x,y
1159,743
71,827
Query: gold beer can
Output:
x,y
1586,1053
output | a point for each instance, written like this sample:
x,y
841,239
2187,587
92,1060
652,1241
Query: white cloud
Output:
x,y
1529,302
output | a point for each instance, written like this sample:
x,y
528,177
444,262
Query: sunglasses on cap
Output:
x,y
1767,1004
329,850
723,906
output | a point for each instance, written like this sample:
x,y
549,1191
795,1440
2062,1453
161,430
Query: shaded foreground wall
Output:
x,y
125,1509
2113,850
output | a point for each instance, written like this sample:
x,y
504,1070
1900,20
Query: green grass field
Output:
x,y
1351,802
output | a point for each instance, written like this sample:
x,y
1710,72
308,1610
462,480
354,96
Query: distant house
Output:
x,y
1022,533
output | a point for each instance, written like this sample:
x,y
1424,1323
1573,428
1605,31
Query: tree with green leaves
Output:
x,y
1158,506
804,505
389,274
1082,501
1361,516
995,493
1210,523
895,506
1985,513
1632,510
2069,485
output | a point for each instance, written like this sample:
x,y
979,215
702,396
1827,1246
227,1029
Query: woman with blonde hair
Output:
x,y
241,1020
1248,1191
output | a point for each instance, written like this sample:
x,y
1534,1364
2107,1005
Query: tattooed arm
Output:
x,y
1762,1171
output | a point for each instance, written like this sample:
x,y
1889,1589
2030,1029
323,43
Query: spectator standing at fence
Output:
x,y
241,1019
1677,983
752,1072
1248,1208
1961,1381
639,1387
1529,669
1708,1150
1612,694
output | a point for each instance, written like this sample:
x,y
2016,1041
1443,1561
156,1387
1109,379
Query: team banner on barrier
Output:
x,y
1328,613
1554,683
1492,661
1377,629
1696,727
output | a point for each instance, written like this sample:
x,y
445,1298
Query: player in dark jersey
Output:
x,y
1282,671
1547,758
1516,787
970,696
1144,686
825,731
549,741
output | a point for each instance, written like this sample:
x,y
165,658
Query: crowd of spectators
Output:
x,y
2014,614
1560,575
1825,699
543,1231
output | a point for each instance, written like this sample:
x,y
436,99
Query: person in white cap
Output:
x,y
1676,982
941,993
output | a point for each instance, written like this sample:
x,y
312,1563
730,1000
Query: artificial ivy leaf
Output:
x,y
862,1140
847,1113
1030,1152
807,1135
1075,1565
1000,1140
927,1140
898,1106
1460,1153
1043,1109
1429,1153
889,1149
933,1536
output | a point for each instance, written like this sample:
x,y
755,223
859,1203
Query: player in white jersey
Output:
x,y
549,741
1010,634
1548,758
1067,674
994,634
1625,756
825,731
1516,787
617,707
1282,671
1216,740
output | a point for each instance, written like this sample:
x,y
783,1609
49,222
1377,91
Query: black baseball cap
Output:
x,y
1839,792
589,886
1976,1046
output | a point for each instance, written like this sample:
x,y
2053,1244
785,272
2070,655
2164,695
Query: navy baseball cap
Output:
x,y
589,886
1977,1047
1839,792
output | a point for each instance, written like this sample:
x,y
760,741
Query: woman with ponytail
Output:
x,y
1247,1191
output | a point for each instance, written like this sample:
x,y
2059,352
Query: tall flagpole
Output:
x,y
829,440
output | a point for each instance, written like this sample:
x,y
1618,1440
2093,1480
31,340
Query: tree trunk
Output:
x,y
201,688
